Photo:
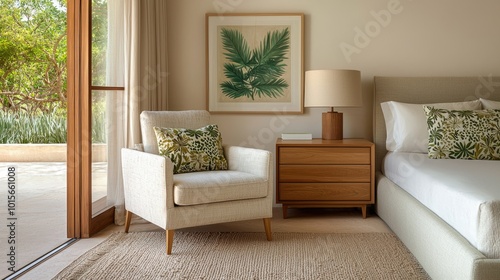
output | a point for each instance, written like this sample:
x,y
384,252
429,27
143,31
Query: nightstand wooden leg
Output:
x,y
363,211
285,209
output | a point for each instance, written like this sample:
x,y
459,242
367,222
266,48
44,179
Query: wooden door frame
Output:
x,y
80,223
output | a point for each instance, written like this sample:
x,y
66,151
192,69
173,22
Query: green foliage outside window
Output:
x,y
33,73
33,56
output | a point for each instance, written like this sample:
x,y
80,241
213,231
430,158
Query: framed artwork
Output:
x,y
255,63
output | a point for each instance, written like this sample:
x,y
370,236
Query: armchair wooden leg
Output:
x,y
170,240
128,218
267,227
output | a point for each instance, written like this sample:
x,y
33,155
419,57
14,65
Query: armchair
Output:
x,y
175,201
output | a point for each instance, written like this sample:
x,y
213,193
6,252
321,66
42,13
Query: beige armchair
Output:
x,y
153,192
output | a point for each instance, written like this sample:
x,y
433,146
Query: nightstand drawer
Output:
x,y
325,191
323,155
325,173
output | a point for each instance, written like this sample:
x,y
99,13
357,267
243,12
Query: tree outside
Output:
x,y
33,52
33,74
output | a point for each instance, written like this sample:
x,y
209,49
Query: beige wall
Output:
x,y
421,38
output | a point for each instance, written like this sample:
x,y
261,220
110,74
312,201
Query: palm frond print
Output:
x,y
254,73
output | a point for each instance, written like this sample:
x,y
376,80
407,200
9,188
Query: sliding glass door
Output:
x,y
93,83
107,68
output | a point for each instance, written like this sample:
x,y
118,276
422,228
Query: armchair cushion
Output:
x,y
192,149
216,186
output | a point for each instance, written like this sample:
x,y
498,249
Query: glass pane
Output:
x,y
107,43
33,110
99,152
99,41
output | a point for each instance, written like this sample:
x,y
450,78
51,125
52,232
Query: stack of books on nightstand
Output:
x,y
296,136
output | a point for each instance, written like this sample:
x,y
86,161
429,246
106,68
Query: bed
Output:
x,y
439,247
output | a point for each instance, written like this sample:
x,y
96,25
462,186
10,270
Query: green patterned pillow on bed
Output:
x,y
463,134
192,149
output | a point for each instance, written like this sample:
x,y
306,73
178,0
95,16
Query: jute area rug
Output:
x,y
236,255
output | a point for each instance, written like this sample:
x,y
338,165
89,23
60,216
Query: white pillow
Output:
x,y
406,124
490,104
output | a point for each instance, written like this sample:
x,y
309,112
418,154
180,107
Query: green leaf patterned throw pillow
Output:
x,y
469,134
192,149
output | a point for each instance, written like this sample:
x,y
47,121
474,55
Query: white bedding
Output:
x,y
464,193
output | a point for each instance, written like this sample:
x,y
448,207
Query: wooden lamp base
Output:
x,y
332,126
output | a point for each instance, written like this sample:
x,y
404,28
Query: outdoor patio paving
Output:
x,y
40,209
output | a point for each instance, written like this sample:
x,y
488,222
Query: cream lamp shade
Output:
x,y
332,88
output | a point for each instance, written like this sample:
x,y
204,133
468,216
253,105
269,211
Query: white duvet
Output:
x,y
464,193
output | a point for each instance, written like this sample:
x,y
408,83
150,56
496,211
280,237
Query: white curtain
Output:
x,y
138,50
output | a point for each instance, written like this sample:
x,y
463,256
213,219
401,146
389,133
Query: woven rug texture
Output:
x,y
236,255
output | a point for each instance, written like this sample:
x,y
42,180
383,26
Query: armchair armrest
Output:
x,y
148,185
250,160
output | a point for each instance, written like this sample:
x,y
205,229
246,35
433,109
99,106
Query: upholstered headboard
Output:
x,y
426,90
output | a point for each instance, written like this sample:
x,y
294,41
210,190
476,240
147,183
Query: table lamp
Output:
x,y
332,88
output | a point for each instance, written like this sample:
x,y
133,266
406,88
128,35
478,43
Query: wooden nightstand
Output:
x,y
325,173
